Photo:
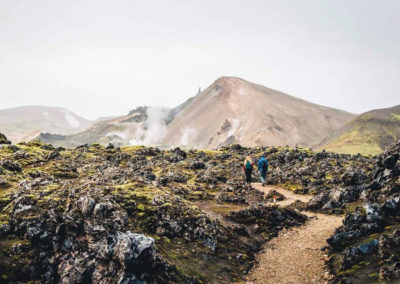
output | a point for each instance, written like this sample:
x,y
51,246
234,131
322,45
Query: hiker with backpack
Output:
x,y
263,168
248,168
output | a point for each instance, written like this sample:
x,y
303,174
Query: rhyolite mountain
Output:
x,y
233,110
368,133
25,123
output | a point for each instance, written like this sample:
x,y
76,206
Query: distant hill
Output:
x,y
233,110
368,134
143,125
25,123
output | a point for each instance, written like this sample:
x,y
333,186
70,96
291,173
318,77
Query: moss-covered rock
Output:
x,y
3,139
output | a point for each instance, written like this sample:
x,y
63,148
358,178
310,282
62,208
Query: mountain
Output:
x,y
24,123
143,125
369,133
177,109
233,110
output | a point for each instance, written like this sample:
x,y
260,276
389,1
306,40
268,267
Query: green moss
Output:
x,y
131,150
297,188
353,269
35,151
35,143
134,190
354,142
395,117
351,207
208,269
9,243
96,146
65,174
4,219
313,192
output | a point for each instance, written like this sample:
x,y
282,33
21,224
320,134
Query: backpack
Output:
x,y
264,165
248,165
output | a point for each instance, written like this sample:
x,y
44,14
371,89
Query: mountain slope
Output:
x,y
233,110
369,133
143,125
23,123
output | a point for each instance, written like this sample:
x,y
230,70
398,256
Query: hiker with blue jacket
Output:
x,y
263,168
248,168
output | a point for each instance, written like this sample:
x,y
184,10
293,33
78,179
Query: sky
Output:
x,y
102,58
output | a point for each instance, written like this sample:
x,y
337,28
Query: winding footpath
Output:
x,y
295,256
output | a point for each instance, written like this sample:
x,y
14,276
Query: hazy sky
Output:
x,y
101,58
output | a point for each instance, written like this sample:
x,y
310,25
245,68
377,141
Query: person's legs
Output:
x,y
263,177
248,176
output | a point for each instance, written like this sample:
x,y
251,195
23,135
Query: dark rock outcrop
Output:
x,y
371,225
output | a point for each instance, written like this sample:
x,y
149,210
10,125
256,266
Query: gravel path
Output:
x,y
295,256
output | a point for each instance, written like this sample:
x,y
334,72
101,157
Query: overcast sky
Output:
x,y
100,58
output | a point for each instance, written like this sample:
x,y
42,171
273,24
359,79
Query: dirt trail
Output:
x,y
295,256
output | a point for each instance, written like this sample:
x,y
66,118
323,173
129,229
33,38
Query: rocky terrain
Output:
x,y
366,247
96,213
109,214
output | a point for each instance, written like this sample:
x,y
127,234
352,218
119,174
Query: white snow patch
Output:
x,y
72,120
45,113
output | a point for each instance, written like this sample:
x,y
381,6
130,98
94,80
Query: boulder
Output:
x,y
3,139
11,165
86,205
354,177
391,206
127,257
373,212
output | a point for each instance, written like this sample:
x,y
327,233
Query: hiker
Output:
x,y
263,168
248,168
